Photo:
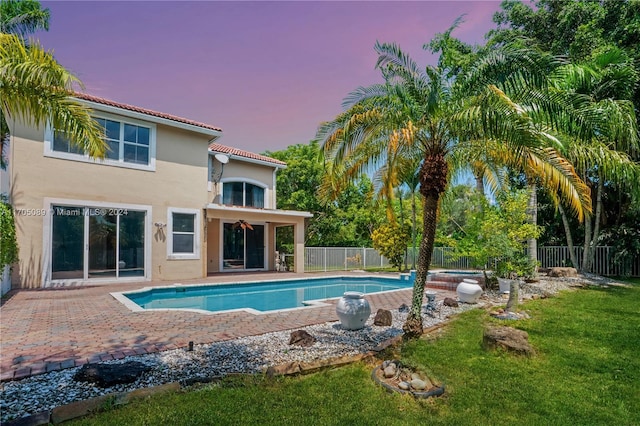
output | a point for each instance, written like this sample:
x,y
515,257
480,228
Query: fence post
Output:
x,y
364,258
325,259
346,261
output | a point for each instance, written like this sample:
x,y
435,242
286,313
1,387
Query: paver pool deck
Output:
x,y
51,329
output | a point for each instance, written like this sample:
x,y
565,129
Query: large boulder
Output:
x,y
448,301
301,338
383,318
507,338
107,375
562,272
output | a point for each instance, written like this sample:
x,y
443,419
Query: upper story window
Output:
x,y
243,194
130,144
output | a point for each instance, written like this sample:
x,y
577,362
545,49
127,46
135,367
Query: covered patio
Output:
x,y
244,239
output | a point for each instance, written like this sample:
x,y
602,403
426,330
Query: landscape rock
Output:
x,y
390,371
107,375
301,338
383,318
404,385
448,301
418,384
562,272
508,338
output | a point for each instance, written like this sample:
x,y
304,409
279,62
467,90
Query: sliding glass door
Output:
x,y
67,243
103,243
243,246
233,247
92,242
255,247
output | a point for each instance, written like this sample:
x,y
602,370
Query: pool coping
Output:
x,y
121,297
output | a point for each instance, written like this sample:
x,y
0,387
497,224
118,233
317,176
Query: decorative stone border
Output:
x,y
79,409
436,391
93,405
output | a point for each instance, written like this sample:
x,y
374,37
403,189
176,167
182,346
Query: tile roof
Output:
x,y
213,147
108,102
216,147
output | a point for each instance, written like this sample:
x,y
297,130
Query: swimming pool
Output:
x,y
256,297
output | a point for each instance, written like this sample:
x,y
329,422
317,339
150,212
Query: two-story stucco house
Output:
x,y
168,203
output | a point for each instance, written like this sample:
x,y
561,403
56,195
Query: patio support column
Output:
x,y
298,231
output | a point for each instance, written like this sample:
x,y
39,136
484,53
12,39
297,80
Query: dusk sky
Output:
x,y
267,73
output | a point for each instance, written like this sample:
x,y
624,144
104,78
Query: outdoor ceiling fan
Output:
x,y
242,224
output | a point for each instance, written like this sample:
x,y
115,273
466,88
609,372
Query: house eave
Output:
x,y
266,212
213,134
249,160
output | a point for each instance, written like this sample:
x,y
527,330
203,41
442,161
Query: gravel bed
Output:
x,y
245,355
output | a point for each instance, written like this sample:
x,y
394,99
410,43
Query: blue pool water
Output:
x,y
261,296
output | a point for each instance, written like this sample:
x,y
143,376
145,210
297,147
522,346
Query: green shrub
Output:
x,y
391,241
8,243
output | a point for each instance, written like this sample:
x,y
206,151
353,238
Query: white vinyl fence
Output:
x,y
342,259
604,262
349,258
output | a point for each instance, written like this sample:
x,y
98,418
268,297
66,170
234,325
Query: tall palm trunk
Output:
x,y
414,233
587,242
433,181
532,243
401,198
596,226
479,182
567,231
413,325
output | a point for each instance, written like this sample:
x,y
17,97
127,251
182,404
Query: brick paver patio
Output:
x,y
45,330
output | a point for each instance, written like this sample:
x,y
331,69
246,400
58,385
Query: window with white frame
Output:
x,y
129,143
243,194
183,233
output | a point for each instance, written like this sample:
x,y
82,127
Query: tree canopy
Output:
x,y
601,41
346,221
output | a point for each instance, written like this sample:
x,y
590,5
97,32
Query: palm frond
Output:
x,y
36,89
22,17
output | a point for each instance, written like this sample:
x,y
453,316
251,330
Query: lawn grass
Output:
x,y
586,372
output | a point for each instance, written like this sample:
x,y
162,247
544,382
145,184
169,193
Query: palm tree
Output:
x,y
420,112
601,89
36,89
22,17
